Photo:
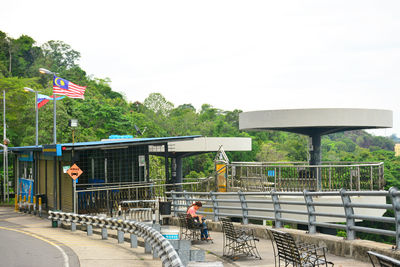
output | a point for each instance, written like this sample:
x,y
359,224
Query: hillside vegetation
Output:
x,y
104,112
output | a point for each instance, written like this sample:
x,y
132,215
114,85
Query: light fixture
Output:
x,y
45,71
27,89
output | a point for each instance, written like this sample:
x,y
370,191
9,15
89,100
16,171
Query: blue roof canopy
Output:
x,y
105,143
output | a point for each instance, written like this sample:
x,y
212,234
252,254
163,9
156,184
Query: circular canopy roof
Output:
x,y
316,121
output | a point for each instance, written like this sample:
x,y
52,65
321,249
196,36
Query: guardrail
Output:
x,y
160,245
304,208
100,198
298,176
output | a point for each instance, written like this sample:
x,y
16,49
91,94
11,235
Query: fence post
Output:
x,y
394,194
349,212
215,206
134,242
34,205
174,203
277,209
310,210
371,178
243,204
40,207
185,194
104,234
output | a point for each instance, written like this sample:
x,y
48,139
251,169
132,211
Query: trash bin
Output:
x,y
165,208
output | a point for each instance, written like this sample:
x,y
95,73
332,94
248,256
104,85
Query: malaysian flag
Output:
x,y
67,88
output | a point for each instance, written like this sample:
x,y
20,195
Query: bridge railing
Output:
x,y
338,210
159,243
299,176
105,198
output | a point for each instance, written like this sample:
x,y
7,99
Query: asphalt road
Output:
x,y
23,248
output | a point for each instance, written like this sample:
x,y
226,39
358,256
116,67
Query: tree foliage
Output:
x,y
104,111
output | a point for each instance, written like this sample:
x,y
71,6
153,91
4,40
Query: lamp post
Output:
x,y
73,123
27,89
45,71
5,152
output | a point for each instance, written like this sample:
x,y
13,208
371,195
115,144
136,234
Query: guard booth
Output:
x,y
42,170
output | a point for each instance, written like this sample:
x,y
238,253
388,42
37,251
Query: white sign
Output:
x,y
142,161
66,168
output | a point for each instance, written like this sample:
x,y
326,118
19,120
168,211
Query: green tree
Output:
x,y
157,103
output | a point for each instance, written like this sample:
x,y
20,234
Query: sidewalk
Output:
x,y
91,251
264,247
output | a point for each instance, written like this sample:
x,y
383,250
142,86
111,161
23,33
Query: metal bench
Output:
x,y
238,242
382,260
190,230
296,254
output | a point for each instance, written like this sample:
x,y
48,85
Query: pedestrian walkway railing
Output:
x,y
160,245
299,176
336,210
105,198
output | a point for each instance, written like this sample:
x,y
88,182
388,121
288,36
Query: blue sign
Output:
x,y
26,156
25,188
52,150
271,173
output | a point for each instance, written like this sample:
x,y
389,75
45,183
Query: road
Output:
x,y
21,248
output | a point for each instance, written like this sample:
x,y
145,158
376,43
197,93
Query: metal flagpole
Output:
x,y
36,119
55,157
4,150
44,71
54,120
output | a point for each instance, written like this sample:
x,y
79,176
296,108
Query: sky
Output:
x,y
247,55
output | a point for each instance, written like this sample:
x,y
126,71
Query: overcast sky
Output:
x,y
248,55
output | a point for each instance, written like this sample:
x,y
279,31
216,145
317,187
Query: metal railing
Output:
x,y
160,245
100,198
308,208
299,176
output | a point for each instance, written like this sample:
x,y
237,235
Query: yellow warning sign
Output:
x,y
221,177
74,171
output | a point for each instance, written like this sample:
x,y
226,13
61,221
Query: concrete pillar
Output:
x,y
134,242
147,247
176,172
120,237
315,159
89,229
104,234
73,226
315,153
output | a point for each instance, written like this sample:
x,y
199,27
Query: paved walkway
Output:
x,y
264,247
91,251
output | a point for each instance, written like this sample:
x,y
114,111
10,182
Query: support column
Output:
x,y
315,159
167,177
176,172
315,152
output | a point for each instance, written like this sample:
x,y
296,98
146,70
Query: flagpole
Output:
x,y
44,71
54,121
36,119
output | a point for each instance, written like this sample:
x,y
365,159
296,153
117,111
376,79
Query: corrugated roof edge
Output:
x,y
97,143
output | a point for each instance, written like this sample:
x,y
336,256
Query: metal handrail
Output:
x,y
298,176
180,201
159,243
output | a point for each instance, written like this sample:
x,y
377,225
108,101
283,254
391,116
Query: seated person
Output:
x,y
192,212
